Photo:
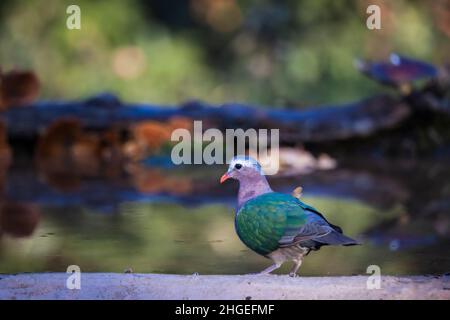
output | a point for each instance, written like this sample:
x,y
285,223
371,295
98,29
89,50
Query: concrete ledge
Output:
x,y
159,286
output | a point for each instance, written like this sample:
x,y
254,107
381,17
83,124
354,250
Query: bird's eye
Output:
x,y
238,166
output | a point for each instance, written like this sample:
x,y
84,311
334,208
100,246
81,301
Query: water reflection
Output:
x,y
18,220
180,220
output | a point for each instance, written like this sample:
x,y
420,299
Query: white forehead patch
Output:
x,y
246,161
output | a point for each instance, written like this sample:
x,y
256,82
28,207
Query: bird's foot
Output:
x,y
258,274
263,274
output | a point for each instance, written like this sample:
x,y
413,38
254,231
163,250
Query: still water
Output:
x,y
170,221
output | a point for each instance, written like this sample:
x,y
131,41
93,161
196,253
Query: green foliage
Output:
x,y
262,52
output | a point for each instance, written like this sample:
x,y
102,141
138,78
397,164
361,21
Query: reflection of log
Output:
x,y
105,193
18,219
383,184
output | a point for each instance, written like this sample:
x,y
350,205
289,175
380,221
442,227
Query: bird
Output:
x,y
399,72
275,225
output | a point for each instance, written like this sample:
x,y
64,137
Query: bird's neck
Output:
x,y
251,187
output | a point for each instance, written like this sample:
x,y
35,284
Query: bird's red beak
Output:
x,y
224,177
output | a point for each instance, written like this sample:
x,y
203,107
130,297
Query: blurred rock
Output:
x,y
294,161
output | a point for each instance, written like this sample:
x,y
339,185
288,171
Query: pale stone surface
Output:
x,y
160,286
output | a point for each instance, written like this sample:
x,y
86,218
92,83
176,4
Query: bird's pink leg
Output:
x,y
297,264
270,269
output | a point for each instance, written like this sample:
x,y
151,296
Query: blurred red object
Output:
x,y
18,88
18,220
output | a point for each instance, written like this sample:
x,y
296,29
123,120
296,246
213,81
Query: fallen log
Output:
x,y
413,121
358,119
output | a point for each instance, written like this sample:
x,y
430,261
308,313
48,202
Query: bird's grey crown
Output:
x,y
246,161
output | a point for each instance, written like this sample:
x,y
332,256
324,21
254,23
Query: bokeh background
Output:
x,y
169,51
71,202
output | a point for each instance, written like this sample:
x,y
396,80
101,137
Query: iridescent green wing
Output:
x,y
275,220
266,219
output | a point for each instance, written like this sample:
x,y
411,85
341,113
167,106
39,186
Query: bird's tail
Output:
x,y
336,238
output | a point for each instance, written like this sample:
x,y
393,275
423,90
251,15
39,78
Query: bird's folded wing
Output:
x,y
309,231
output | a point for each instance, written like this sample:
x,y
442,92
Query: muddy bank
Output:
x,y
157,286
